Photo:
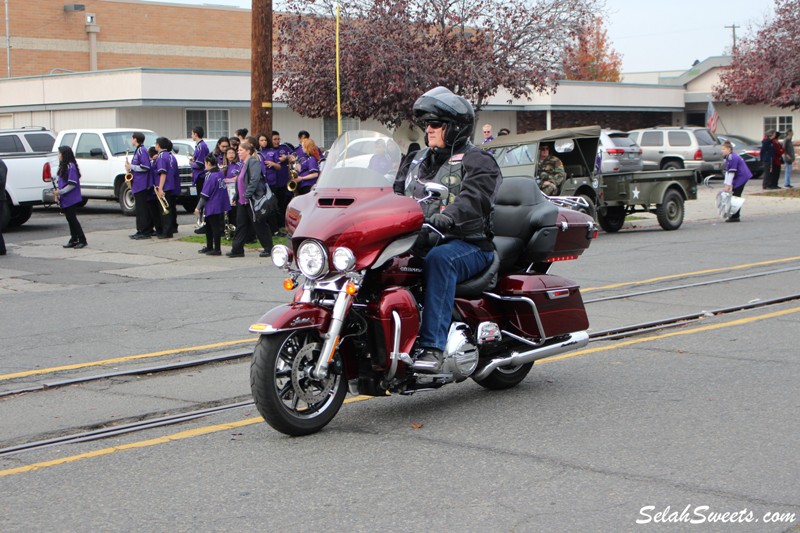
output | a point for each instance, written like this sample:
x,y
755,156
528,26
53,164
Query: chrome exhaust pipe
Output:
x,y
575,341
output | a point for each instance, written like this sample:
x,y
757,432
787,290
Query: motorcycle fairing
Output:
x,y
292,316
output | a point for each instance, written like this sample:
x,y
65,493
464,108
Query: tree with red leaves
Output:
x,y
590,57
766,63
394,50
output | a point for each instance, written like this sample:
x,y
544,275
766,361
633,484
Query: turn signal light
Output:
x,y
289,284
350,288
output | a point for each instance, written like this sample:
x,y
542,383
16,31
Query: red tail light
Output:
x,y
615,151
698,155
754,153
47,174
561,258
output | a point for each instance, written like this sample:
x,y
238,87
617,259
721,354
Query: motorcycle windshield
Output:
x,y
360,159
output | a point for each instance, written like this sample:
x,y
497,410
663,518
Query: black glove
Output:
x,y
441,222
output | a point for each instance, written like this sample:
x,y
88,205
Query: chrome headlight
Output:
x,y
281,255
343,259
312,258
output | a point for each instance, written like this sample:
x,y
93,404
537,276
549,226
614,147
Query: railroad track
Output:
x,y
161,421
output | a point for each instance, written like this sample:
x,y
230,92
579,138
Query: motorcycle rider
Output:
x,y
464,217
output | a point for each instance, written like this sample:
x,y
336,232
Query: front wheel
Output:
x,y
285,394
505,378
670,211
126,201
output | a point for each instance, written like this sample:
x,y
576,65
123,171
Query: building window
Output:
x,y
213,121
330,128
779,123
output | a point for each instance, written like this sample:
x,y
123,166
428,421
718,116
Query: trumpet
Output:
x,y
162,200
129,174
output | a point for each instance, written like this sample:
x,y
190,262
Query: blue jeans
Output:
x,y
445,266
787,179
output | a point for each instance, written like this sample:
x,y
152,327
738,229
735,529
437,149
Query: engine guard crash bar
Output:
x,y
575,341
522,299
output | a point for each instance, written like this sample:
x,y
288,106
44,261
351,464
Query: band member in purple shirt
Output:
x,y
736,175
199,157
168,186
234,166
139,166
309,168
281,175
214,203
69,196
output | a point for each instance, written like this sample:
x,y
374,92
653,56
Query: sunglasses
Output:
x,y
435,124
487,131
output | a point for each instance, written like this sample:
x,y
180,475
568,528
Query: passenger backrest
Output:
x,y
521,209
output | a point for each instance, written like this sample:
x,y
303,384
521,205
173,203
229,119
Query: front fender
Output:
x,y
288,317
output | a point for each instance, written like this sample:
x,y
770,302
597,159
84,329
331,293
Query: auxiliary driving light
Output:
x,y
281,255
343,259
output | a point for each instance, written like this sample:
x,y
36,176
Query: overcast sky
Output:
x,y
659,34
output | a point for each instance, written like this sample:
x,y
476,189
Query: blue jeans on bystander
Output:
x,y
445,266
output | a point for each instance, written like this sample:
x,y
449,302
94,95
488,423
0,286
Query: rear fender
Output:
x,y
293,316
657,195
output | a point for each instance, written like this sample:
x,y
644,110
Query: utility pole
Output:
x,y
261,68
733,27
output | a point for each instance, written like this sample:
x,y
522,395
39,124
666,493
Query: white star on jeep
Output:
x,y
635,193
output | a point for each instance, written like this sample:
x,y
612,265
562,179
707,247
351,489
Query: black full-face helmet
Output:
x,y
441,104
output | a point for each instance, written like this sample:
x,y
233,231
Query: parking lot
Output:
x,y
700,417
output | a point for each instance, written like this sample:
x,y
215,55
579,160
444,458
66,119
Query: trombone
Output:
x,y
129,174
162,200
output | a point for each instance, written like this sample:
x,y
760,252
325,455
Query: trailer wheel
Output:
x,y
591,210
670,211
613,220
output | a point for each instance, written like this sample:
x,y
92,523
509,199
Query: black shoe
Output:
x,y
70,244
79,245
733,220
140,237
204,250
427,360
134,235
264,254
789,186
149,233
234,254
165,236
201,230
214,252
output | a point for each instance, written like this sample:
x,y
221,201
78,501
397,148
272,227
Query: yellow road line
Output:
x,y
687,274
76,366
188,434
233,425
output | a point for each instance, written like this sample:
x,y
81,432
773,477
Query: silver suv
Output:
x,y
665,148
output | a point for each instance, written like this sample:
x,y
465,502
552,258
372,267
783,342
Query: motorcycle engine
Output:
x,y
461,355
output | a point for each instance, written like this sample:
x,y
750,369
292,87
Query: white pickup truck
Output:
x,y
24,184
101,157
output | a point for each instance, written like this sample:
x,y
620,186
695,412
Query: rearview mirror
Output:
x,y
97,152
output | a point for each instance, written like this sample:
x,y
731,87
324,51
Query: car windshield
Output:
x,y
119,142
359,159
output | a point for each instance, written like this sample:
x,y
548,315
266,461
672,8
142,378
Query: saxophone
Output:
x,y
129,174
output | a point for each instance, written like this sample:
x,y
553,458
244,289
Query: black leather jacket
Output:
x,y
473,178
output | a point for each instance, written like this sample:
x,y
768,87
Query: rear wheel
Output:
x,y
285,394
672,165
670,211
505,378
613,220
20,215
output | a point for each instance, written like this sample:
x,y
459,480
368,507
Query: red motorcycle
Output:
x,y
358,292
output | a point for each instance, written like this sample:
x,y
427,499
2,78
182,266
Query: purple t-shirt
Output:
x,y
74,196
283,174
141,179
167,164
271,155
216,194
735,162
308,165
199,163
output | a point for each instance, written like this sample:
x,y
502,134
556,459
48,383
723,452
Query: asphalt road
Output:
x,y
662,427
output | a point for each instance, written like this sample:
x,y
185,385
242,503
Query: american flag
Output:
x,y
712,118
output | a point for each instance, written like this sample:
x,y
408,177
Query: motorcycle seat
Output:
x,y
485,281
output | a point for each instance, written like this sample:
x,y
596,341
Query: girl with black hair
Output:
x,y
69,196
